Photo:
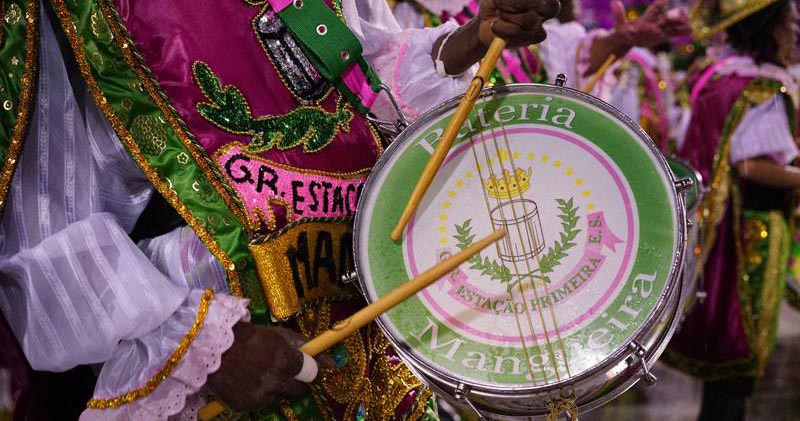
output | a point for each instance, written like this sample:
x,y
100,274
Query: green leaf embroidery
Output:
x,y
548,262
311,127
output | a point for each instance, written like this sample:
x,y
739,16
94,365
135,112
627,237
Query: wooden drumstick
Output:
x,y
369,313
600,73
462,112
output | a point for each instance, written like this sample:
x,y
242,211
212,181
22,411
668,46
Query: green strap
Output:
x,y
333,47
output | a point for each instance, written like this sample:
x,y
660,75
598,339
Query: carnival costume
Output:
x,y
742,110
241,118
539,63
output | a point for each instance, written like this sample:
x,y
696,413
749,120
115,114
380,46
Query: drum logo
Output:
x,y
563,249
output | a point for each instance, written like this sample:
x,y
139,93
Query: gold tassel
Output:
x,y
563,406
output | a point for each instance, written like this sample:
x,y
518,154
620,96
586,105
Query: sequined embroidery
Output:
x,y
262,184
303,264
150,134
311,127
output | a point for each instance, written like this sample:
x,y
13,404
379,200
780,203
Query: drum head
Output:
x,y
595,232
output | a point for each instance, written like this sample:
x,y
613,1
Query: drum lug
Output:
x,y
351,278
684,184
561,80
639,353
462,395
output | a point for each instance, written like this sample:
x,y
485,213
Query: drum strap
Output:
x,y
332,48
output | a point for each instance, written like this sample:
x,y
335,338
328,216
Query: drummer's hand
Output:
x,y
259,368
518,22
657,25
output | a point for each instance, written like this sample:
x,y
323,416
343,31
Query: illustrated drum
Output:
x,y
693,291
582,295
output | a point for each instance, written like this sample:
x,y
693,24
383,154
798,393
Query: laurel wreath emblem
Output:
x,y
548,262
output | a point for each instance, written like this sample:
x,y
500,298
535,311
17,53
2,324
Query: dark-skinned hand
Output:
x,y
259,368
518,22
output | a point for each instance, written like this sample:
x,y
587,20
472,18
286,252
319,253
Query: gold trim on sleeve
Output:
x,y
165,371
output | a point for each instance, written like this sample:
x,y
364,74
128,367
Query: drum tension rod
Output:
x,y
639,352
684,184
462,395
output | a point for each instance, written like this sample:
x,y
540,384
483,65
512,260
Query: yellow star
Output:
x,y
590,206
468,175
530,155
545,158
446,205
516,155
443,240
586,193
451,194
557,164
569,171
442,228
579,182
502,155
459,184
443,217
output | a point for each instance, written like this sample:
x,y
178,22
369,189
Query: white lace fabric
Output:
x,y
188,377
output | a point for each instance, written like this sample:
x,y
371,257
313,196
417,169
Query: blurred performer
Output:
x,y
199,128
641,83
568,49
741,137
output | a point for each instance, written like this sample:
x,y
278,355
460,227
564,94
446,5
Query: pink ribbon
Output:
x,y
278,5
705,78
357,82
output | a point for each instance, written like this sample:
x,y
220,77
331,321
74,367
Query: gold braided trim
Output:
x,y
165,371
76,42
179,127
700,26
26,95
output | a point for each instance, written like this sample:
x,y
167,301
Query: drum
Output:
x,y
694,291
579,299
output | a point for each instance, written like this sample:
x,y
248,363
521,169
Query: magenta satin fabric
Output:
x,y
713,332
172,35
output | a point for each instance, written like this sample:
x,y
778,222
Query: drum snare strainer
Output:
x,y
580,298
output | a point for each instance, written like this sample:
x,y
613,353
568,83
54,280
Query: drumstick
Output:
x,y
369,313
462,112
599,73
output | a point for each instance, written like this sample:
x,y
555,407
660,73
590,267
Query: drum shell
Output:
x,y
618,372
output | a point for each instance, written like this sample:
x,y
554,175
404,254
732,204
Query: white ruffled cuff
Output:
x,y
182,374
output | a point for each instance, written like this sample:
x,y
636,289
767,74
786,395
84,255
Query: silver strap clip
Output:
x,y
390,128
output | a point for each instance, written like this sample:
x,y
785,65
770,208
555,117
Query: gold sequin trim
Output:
x,y
26,95
161,185
153,89
168,368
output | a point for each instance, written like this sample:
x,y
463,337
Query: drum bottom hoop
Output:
x,y
591,393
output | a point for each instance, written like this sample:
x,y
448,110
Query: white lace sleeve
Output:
x,y
764,131
402,58
73,286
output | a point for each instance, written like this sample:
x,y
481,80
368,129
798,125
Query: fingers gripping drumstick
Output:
x,y
462,112
369,313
